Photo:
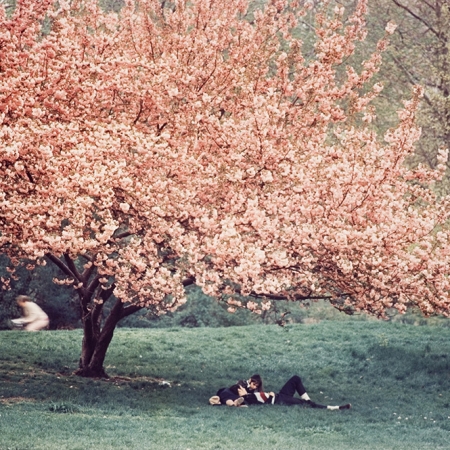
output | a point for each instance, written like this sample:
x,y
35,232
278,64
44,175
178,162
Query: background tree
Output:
x,y
148,149
419,54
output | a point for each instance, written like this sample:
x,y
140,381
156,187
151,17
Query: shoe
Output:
x,y
347,406
214,400
238,401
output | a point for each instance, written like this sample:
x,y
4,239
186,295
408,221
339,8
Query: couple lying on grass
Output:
x,y
250,392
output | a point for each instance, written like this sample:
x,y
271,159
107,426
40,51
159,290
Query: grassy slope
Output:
x,y
396,376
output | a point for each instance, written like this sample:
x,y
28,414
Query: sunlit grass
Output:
x,y
396,376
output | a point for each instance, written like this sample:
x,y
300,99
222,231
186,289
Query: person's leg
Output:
x,y
293,385
286,399
229,398
215,400
283,399
315,405
37,325
238,402
287,392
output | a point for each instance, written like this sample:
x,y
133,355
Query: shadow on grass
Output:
x,y
33,384
404,362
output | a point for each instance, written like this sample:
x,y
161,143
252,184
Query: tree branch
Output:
x,y
72,267
92,286
188,281
130,310
123,235
59,263
412,79
420,19
96,313
296,297
139,113
86,275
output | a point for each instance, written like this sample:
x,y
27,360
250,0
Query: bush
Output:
x,y
200,310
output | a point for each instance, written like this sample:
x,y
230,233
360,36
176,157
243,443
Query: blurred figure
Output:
x,y
33,318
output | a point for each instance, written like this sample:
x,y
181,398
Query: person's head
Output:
x,y
22,299
255,382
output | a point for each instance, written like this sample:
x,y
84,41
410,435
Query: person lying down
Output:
x,y
250,392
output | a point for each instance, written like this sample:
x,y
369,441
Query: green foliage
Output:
x,y
112,5
200,310
395,376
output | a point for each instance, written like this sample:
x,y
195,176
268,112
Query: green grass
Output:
x,y
397,377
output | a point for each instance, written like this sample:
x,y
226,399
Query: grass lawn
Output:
x,y
396,376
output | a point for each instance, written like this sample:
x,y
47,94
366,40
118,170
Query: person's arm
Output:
x,y
241,390
259,398
18,321
256,397
238,388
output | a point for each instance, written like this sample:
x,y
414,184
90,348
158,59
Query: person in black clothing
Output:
x,y
255,396
231,397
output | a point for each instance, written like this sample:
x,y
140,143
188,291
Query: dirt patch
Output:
x,y
14,400
126,380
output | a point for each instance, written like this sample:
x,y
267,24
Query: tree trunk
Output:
x,y
96,338
96,341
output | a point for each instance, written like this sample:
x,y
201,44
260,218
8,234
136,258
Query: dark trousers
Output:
x,y
226,394
287,392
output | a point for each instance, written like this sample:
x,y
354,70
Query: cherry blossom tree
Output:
x,y
193,141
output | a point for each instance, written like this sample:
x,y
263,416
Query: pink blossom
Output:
x,y
391,27
153,160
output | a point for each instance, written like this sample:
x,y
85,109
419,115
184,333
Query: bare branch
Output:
x,y
130,310
188,281
72,267
420,19
54,259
